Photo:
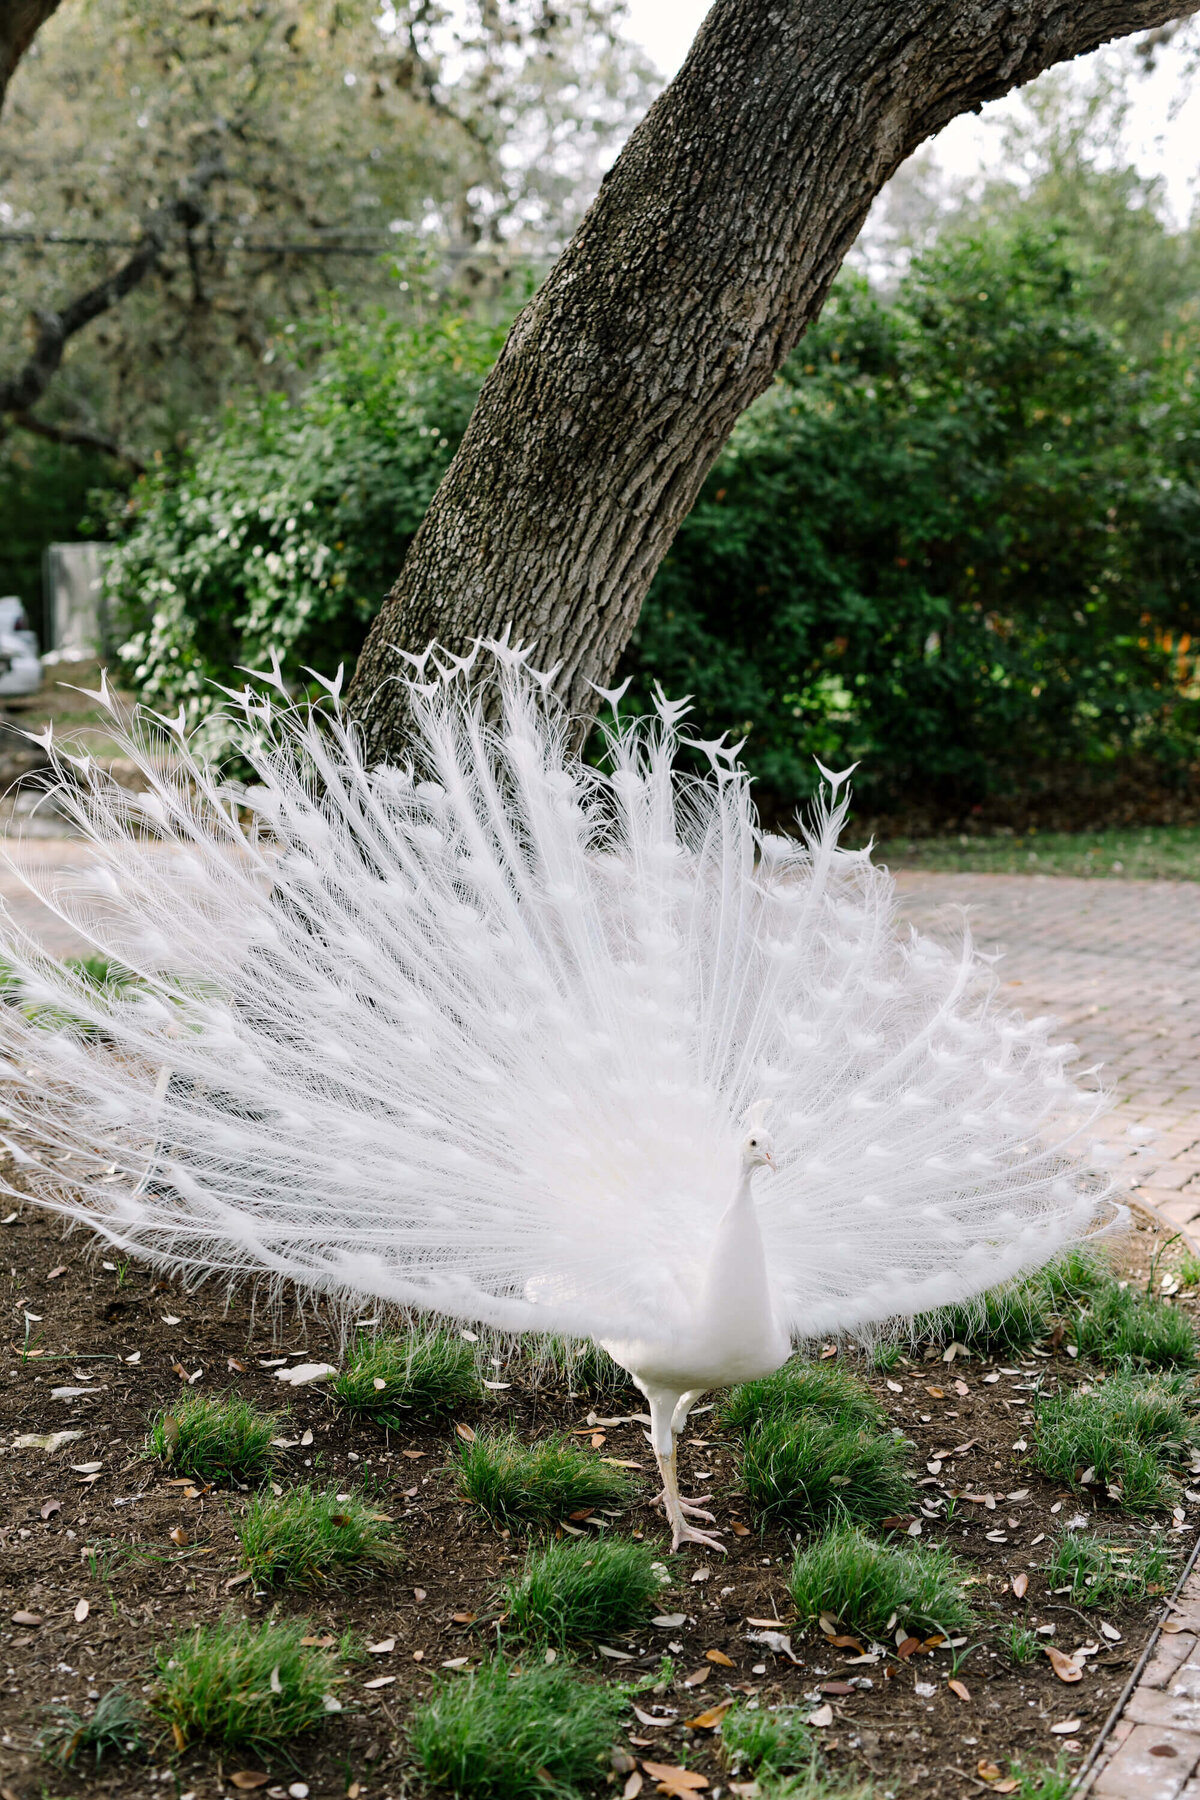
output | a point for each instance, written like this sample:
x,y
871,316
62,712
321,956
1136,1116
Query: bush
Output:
x,y
239,1685
306,1538
864,1583
421,1375
812,1471
217,1440
800,1389
1129,1433
583,1588
499,1735
536,1484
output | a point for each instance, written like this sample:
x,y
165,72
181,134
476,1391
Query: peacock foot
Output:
x,y
692,1507
686,1534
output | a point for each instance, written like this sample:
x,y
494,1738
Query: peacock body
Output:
x,y
509,1038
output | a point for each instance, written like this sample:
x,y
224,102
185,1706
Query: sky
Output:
x,y
1164,126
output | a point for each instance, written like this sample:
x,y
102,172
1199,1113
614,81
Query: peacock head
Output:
x,y
758,1152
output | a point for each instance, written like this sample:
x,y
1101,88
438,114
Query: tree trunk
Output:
x,y
20,22
711,245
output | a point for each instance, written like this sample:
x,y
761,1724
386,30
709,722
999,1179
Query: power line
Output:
x,y
49,240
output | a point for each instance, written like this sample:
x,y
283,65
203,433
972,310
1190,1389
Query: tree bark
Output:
x,y
711,245
20,22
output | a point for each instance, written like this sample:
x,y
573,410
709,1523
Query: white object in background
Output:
x,y
20,665
76,614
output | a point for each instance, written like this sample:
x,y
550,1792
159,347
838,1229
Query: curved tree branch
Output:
x,y
20,22
711,245
81,437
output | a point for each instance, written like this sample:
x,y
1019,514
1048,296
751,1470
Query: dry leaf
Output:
x,y
960,1688
633,1786
894,1387
988,1771
598,1439
319,1643
82,1609
234,1366
179,1536
180,1740
184,1376
822,1716
674,1780
710,1718
836,1687
738,1529
55,1273
26,1618
719,1657
696,1677
938,1393
906,1646
1019,1585
649,1718
249,1778
846,1643
51,1507
1064,1667
465,1432
1009,1785
1067,1727
464,1618
382,1648
380,1681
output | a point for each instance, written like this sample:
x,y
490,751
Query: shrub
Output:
x,y
114,1728
1130,1432
499,1735
798,1390
811,1471
583,1588
863,1583
305,1538
237,1684
423,1375
221,1439
1097,1572
1122,1325
536,1484
766,1740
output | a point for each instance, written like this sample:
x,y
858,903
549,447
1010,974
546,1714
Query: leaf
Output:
x,y
82,1609
1064,1667
938,1393
988,1771
710,1718
836,1687
1009,1785
50,1508
633,1786
55,1273
906,1648
249,1778
960,1688
649,1719
894,1387
318,1643
823,1715
719,1657
381,1681
846,1643
183,1376
179,1536
177,1734
696,1677
1067,1727
465,1433
382,1648
26,1618
673,1780
1020,1584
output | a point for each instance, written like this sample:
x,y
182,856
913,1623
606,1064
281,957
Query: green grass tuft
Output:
x,y
241,1685
1002,1319
114,1728
1098,1572
1126,1327
498,1735
221,1439
583,1588
536,1484
423,1376
812,1471
799,1390
1131,1431
1021,1644
765,1741
585,1367
862,1583
816,1783
306,1537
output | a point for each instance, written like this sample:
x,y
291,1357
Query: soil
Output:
x,y
900,1722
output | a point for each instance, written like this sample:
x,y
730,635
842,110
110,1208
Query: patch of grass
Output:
x,y
498,1735
114,1728
1073,1277
586,1368
884,1355
765,1741
1189,1269
1124,1326
1145,853
308,1537
583,1588
799,1390
1044,1783
536,1484
221,1439
862,1583
1131,1431
237,1684
1098,1572
423,1376
1021,1645
813,1470
1002,1319
816,1783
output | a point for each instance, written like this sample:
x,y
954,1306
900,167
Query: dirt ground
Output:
x,y
92,1522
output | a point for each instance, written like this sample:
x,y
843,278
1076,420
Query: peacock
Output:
x,y
528,1041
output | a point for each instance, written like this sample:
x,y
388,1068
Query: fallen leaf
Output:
x,y
82,1609
836,1687
738,1529
463,1618
382,1648
1067,1727
674,1780
960,1688
1064,1667
249,1778
894,1387
26,1618
170,1319
50,1508
633,1785
1111,1633
719,1657
92,1468
306,1374
846,1643
669,1621
318,1643
55,1273
178,1369
905,1648
988,1771
380,1681
710,1718
938,1393
179,1537
649,1718
598,1440
1009,1785
696,1677
1020,1584
823,1715
237,1580
177,1734
234,1366
465,1433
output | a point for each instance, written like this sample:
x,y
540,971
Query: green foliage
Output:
x,y
799,1390
287,524
44,492
1124,1326
1131,1431
499,1735
241,1685
583,1588
424,1374
957,539
535,1484
1189,1269
1096,1571
306,1537
585,1367
1002,1319
1023,1646
221,1439
765,1741
863,1582
810,1471
114,1728
1141,853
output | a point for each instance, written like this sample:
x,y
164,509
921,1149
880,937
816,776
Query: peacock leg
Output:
x,y
662,1440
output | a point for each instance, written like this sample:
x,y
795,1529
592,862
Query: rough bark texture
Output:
x,y
20,22
710,247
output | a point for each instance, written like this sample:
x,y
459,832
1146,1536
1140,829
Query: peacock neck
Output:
x,y
736,1285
